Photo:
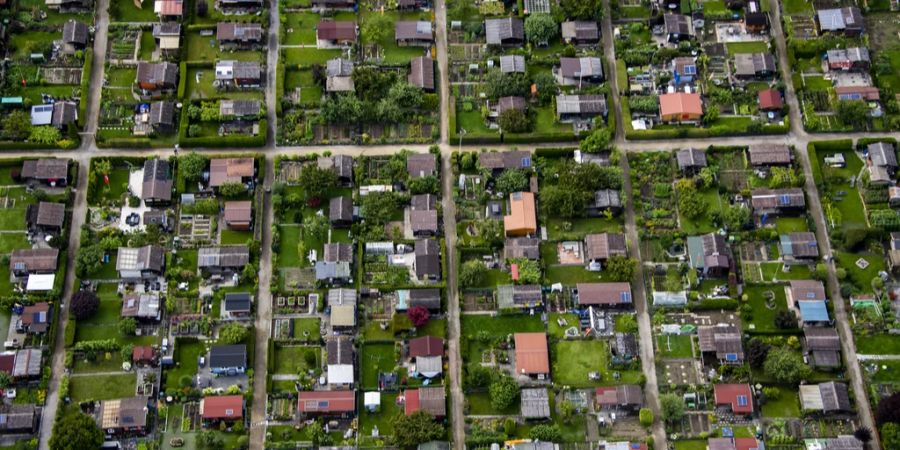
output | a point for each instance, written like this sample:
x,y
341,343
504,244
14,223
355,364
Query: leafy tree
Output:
x,y
736,218
563,202
529,271
472,273
647,104
232,189
5,380
478,377
127,326
316,226
671,407
600,140
646,417
415,429
785,366
88,261
76,431
888,410
376,29
491,232
711,114
890,435
546,87
504,392
514,121
44,135
545,433
620,268
785,319
582,10
513,180
498,84
316,181
370,83
690,204
757,350
405,95
127,352
192,165
378,207
16,125
418,315
208,440
590,177
84,304
424,185
342,108
854,113
233,333
540,28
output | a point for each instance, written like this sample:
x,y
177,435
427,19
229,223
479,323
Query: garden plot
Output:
x,y
681,372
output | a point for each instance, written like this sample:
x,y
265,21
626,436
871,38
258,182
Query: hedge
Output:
x,y
818,178
537,137
680,133
555,152
135,142
85,86
714,304
11,145
279,88
70,332
182,80
864,142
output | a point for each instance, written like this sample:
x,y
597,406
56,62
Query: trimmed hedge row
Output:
x,y
85,86
678,133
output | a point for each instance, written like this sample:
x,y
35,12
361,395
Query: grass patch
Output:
x,y
186,353
861,278
772,272
232,237
763,317
786,225
102,387
747,47
674,346
126,11
382,418
692,444
882,371
878,344
288,254
797,7
376,358
703,224
304,28
306,57
574,360
292,360
480,405
817,83
785,405
557,331
559,229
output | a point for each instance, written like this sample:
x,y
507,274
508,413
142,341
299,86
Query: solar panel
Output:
x,y
785,200
810,295
690,70
19,266
625,296
526,162
229,412
323,403
742,400
731,357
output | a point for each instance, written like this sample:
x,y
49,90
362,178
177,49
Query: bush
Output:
x,y
646,417
84,304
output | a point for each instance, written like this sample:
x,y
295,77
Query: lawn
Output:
x,y
187,351
850,206
557,331
199,85
382,418
23,44
500,326
885,371
786,225
13,241
376,358
714,6
288,255
305,57
206,48
118,184
472,122
559,229
772,272
817,83
434,327
104,324
303,25
232,237
674,346
634,12
748,47
148,44
392,53
480,404
571,275
702,224
861,278
102,387
307,326
292,360
574,360
126,11
797,7
310,92
690,445
785,405
763,317
119,84
879,344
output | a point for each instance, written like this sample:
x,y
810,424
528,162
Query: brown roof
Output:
x,y
238,211
413,30
770,99
522,248
34,260
231,170
807,290
424,220
777,198
338,252
222,407
522,217
326,401
604,245
336,30
47,214
764,154
822,338
604,293
507,103
142,353
242,32
36,317
625,395
518,159
432,400
421,164
157,180
532,356
426,346
421,73
123,413
45,169
721,340
422,202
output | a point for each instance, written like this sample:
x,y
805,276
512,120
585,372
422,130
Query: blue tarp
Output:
x,y
813,310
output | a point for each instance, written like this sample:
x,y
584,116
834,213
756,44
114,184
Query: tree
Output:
x,y
232,189
854,113
478,377
127,326
545,433
888,410
376,29
690,204
504,391
209,440
546,87
540,28
785,366
711,115
44,135
416,428
582,10
671,407
646,417
233,333
529,271
890,435
512,180
736,218
192,165
472,273
757,350
316,181
498,84
599,140
378,207
5,380
424,185
620,268
821,272
84,304
76,431
863,434
88,260
16,126
342,108
418,315
785,319
316,226
491,232
563,202
514,121
405,95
